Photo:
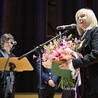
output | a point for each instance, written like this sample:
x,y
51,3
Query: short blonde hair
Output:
x,y
92,20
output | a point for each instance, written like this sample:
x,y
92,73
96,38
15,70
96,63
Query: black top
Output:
x,y
89,63
7,81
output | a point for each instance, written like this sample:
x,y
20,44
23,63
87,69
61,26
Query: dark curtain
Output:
x,y
1,15
30,29
30,32
66,9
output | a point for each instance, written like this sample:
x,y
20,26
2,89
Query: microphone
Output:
x,y
71,26
14,43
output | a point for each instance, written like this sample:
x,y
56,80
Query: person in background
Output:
x,y
48,83
87,27
7,78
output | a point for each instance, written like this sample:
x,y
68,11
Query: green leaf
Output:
x,y
47,48
56,43
69,37
66,82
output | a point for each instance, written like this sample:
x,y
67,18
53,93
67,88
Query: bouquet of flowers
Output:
x,y
61,50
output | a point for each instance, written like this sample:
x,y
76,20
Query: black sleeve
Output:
x,y
91,57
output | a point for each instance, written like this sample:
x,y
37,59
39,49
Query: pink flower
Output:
x,y
61,49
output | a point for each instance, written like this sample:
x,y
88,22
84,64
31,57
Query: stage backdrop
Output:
x,y
29,22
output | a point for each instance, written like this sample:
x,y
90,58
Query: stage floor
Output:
x,y
33,95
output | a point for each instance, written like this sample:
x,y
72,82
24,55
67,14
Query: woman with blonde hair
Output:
x,y
88,29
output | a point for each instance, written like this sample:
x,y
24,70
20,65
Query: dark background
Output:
x,y
31,22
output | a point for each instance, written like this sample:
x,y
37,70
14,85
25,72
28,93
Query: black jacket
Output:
x,y
89,63
8,90
46,75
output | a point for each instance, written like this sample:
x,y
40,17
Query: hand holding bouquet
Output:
x,y
62,51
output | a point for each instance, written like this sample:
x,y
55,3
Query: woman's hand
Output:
x,y
64,66
68,66
51,83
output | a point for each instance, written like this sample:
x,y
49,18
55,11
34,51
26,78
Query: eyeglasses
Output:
x,y
9,42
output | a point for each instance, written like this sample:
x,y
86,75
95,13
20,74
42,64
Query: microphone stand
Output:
x,y
24,55
40,56
40,77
